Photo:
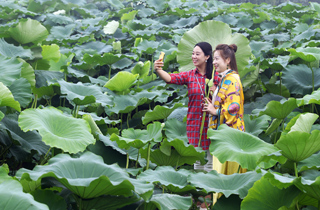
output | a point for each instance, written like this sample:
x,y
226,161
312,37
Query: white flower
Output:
x,y
60,12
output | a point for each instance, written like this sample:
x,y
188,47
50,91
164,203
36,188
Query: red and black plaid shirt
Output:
x,y
195,94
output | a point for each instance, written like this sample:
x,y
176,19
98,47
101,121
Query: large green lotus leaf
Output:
x,y
108,202
7,99
207,31
312,162
122,81
10,70
138,138
308,54
272,159
13,198
64,61
229,144
232,202
141,68
56,129
29,141
79,93
97,179
280,110
10,50
305,35
61,32
51,52
175,129
105,59
298,79
148,47
264,196
281,37
255,125
278,89
258,47
48,197
236,183
302,122
313,98
159,113
28,31
4,170
260,103
184,149
57,19
298,145
174,181
129,102
279,180
309,183
174,159
77,2
21,90
27,72
169,201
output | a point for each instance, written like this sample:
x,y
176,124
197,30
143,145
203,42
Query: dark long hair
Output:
x,y
228,51
207,49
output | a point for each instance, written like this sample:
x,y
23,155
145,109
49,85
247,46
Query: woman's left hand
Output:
x,y
208,107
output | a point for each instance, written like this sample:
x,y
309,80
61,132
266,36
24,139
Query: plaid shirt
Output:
x,y
195,94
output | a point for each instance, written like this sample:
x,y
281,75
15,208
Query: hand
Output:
x,y
158,64
208,107
212,89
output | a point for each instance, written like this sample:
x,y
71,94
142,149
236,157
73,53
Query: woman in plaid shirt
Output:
x,y
195,81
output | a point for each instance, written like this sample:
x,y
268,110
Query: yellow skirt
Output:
x,y
226,168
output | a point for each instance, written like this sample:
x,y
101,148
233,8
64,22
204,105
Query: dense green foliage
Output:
x,y
87,124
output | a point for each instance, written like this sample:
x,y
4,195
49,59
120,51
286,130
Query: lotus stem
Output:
x,y
318,205
109,72
137,159
45,157
148,157
127,164
201,128
295,169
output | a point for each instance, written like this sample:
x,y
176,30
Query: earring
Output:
x,y
206,61
227,66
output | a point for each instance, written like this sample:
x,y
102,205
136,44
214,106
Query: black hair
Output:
x,y
207,49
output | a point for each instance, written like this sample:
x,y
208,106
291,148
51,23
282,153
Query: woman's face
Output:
x,y
219,63
198,57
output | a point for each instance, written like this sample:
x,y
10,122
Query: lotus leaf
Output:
x,y
280,110
314,97
4,170
298,79
15,198
7,99
207,31
97,179
308,54
11,68
229,144
105,59
264,196
51,52
21,90
255,125
312,162
28,31
238,184
282,181
54,128
122,81
29,141
299,145
48,197
172,180
169,201
159,113
302,122
309,183
27,72
175,129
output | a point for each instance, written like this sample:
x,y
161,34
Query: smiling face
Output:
x,y
219,63
199,58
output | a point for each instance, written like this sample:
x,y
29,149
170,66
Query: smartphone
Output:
x,y
161,56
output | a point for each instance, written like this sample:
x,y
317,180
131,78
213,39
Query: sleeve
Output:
x,y
179,78
230,106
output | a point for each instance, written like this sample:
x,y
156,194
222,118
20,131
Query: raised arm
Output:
x,y
158,64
